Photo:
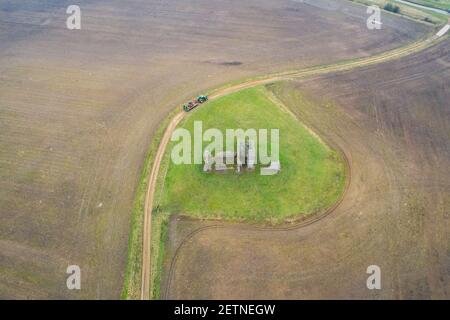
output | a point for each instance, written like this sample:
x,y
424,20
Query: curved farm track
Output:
x,y
327,259
79,108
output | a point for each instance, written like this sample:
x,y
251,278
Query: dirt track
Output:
x,y
417,47
392,121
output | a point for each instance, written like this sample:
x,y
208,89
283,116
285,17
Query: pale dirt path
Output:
x,y
390,55
146,263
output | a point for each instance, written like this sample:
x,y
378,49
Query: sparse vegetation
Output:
x,y
132,283
415,13
437,4
392,8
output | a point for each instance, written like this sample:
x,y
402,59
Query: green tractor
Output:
x,y
193,104
202,99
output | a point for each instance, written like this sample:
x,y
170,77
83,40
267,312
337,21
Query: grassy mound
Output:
x,y
312,176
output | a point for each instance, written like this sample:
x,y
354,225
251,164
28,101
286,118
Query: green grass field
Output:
x,y
311,180
415,13
438,4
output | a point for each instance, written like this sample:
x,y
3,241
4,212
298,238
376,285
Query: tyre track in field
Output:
x,y
308,72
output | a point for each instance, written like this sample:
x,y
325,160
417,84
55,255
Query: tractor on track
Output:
x,y
195,103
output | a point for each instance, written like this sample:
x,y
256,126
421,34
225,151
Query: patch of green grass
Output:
x,y
24,276
415,13
160,225
311,180
438,4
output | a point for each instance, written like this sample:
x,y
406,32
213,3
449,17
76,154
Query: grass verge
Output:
x,y
132,281
417,14
160,225
436,4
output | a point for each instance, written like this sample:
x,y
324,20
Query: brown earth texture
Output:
x,y
79,109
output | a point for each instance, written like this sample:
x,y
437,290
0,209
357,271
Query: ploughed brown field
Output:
x,y
393,122
78,111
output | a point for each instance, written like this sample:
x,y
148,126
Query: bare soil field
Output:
x,y
78,110
393,122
